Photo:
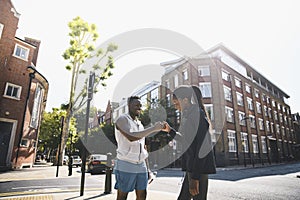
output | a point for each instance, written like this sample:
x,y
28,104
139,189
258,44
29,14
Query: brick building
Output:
x,y
23,93
252,122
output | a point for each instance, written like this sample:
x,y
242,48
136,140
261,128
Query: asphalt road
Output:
x,y
268,182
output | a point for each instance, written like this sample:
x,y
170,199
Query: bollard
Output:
x,y
108,172
70,165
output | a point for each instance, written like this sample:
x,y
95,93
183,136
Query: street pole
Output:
x,y
31,77
90,97
59,146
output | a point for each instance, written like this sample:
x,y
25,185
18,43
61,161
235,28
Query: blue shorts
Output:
x,y
128,181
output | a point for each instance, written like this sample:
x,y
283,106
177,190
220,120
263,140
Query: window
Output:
x,y
227,93
279,106
248,88
263,144
144,101
242,118
12,91
21,52
175,81
238,83
250,104
38,97
204,70
210,111
244,139
261,124
280,117
24,143
258,107
185,74
277,129
255,143
229,114
225,76
270,112
275,115
273,103
268,99
205,90
240,100
231,141
256,93
252,121
1,29
168,98
167,84
154,95
263,96
268,126
272,127
266,110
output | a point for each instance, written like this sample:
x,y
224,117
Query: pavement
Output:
x,y
43,172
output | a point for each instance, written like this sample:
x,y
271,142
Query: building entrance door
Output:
x,y
274,150
5,134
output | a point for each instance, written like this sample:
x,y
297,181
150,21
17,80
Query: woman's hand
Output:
x,y
194,187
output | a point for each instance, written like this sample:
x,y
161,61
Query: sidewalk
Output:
x,y
46,171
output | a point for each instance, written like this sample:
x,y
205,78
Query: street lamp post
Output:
x,y
32,72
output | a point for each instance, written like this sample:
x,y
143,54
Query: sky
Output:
x,y
265,34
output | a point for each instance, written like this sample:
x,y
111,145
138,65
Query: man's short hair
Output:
x,y
130,99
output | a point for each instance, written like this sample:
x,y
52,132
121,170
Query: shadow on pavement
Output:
x,y
240,174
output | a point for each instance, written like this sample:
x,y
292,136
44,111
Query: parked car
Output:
x,y
65,160
76,161
96,163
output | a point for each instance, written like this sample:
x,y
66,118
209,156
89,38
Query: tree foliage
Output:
x,y
83,37
50,131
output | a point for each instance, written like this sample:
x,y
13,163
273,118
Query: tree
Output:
x,y
51,129
83,38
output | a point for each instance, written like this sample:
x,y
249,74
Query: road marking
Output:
x,y
35,192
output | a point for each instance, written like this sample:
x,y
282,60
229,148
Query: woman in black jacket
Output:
x,y
197,160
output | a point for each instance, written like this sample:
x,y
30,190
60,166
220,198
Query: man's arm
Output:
x,y
123,126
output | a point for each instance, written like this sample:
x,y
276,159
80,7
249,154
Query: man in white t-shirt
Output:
x,y
130,169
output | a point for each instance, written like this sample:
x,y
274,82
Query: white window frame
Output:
x,y
268,126
225,75
252,121
205,89
229,114
244,140
203,70
272,127
255,144
261,124
24,52
242,120
256,93
13,86
258,107
167,82
238,82
250,103
231,141
1,29
185,74
176,81
264,144
248,88
239,99
210,110
227,93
